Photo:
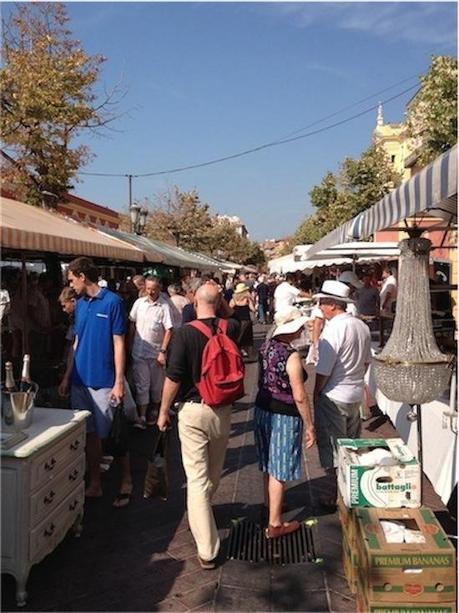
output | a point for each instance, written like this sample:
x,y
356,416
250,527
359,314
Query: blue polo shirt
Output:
x,y
97,319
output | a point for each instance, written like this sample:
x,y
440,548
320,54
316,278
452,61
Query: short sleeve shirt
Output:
x,y
284,296
97,320
344,351
151,320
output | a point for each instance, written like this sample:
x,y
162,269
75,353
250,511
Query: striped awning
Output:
x,y
432,190
26,227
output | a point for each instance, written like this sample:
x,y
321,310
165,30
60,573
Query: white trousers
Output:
x,y
204,434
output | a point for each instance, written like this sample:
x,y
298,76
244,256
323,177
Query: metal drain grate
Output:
x,y
247,542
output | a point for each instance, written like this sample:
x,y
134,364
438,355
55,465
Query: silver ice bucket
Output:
x,y
17,409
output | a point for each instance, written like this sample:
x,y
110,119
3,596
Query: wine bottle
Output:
x,y
26,381
10,385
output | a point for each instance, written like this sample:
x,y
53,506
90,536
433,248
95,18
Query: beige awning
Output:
x,y
23,226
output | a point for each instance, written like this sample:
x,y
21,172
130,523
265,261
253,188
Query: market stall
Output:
x,y
433,192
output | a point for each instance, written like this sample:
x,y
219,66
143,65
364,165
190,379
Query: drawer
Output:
x,y
45,537
53,493
50,463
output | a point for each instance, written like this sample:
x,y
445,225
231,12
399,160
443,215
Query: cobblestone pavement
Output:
x,y
143,558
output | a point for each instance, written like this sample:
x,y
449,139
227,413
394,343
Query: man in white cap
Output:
x,y
344,354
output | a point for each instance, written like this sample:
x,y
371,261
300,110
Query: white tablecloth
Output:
x,y
439,439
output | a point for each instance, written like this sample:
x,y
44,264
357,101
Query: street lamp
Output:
x,y
138,218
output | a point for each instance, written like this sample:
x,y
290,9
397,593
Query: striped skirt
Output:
x,y
278,441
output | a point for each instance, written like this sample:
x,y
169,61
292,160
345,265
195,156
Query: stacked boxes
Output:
x,y
417,573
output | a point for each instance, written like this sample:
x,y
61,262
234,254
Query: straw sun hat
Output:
x,y
240,288
288,322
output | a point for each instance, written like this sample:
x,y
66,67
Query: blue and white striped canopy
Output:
x,y
432,190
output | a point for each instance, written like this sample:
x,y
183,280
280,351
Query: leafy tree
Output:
x,y
47,98
432,114
357,186
181,217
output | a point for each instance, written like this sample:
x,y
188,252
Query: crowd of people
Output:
x,y
156,334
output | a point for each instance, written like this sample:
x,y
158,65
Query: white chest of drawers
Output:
x,y
42,491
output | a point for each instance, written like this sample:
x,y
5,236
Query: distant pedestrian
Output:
x,y
262,291
178,301
203,429
243,307
282,416
344,355
286,293
388,293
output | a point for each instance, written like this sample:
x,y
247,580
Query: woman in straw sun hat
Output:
x,y
282,416
243,305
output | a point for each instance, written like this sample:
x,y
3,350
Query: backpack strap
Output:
x,y
201,327
222,326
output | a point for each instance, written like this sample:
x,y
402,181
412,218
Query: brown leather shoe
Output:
x,y
206,564
273,532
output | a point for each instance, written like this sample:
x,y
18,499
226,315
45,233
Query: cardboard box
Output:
x,y
364,606
405,572
348,519
379,486
350,564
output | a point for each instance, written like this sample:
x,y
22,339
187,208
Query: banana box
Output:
x,y
364,606
420,570
380,473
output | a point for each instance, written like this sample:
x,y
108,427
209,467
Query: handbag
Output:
x,y
156,483
117,442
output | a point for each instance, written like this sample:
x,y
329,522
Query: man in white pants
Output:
x,y
150,332
203,430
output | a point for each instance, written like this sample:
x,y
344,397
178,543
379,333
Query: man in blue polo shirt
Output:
x,y
98,368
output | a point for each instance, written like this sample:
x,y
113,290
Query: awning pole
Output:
x,y
25,301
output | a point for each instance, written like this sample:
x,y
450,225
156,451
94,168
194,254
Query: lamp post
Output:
x,y
138,218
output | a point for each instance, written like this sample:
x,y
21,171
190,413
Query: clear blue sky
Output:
x,y
205,80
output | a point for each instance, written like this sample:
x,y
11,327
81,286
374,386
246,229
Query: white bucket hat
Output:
x,y
350,277
288,321
334,289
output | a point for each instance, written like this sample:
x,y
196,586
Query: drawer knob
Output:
x,y
74,446
73,505
50,464
49,497
50,530
74,474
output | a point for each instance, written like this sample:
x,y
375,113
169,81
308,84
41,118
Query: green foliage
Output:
x,y
357,186
432,114
47,98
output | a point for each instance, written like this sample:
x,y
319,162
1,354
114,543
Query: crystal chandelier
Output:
x,y
411,368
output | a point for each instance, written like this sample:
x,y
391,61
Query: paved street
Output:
x,y
142,558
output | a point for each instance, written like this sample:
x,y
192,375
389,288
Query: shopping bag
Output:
x,y
116,444
156,481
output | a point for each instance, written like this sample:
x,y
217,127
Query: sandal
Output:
x,y
122,500
273,532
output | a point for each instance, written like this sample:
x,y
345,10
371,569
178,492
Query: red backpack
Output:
x,y
222,371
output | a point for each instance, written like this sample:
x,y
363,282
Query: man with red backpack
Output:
x,y
205,372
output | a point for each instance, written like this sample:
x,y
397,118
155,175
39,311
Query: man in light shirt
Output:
x,y
344,354
388,293
150,332
286,294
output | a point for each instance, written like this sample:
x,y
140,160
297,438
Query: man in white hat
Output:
x,y
344,354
